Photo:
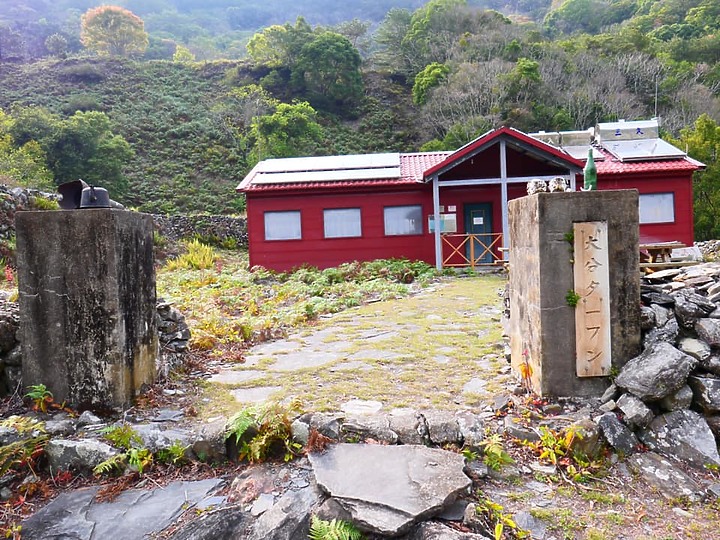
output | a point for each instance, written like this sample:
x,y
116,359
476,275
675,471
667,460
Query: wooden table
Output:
x,y
659,256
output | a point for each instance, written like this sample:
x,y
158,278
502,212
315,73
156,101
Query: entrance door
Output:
x,y
478,221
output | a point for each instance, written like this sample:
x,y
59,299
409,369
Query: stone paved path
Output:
x,y
439,349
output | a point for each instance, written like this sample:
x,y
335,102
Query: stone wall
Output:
x,y
668,397
220,228
173,228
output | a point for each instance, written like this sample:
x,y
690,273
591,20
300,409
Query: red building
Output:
x,y
327,210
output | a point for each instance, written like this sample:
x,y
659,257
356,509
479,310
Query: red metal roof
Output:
x,y
328,185
490,136
416,167
612,165
413,166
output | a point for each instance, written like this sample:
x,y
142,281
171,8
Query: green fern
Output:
x,y
122,436
333,530
260,432
240,423
114,463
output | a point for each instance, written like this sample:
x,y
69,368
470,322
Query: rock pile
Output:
x,y
668,397
10,353
173,335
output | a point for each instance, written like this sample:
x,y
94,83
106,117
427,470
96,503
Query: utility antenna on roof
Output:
x,y
656,95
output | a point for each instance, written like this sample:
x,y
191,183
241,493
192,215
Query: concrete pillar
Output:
x,y
547,349
87,304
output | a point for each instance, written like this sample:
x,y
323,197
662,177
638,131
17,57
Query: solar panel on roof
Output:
x,y
330,163
631,130
581,152
326,176
643,150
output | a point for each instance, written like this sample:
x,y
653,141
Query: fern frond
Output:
x,y
333,530
240,423
114,463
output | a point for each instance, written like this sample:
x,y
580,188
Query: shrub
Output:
x,y
198,257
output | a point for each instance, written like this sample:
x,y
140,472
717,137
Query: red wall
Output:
x,y
683,229
318,251
314,249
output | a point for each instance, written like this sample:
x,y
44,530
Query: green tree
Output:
x,y
328,70
702,141
183,55
114,31
292,130
280,45
82,146
57,45
428,78
85,147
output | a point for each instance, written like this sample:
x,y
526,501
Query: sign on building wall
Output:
x,y
592,312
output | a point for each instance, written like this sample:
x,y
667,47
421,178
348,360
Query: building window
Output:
x,y
402,220
283,225
342,223
657,208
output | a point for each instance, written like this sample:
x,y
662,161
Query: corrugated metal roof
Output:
x,y
612,165
340,171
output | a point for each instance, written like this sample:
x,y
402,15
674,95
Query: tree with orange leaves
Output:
x,y
114,31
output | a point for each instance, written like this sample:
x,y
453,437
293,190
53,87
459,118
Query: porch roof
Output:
x,y
517,138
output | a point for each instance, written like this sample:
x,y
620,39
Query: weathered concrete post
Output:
x,y
87,304
573,248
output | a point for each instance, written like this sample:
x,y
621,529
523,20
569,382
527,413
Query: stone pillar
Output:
x,y
550,234
87,304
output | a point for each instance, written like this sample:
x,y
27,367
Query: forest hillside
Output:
x,y
175,132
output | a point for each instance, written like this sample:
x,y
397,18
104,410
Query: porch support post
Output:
x,y
436,220
572,181
504,197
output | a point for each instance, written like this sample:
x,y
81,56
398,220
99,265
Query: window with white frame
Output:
x,y
657,208
403,220
342,222
283,225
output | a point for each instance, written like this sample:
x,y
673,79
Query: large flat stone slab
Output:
x,y
234,376
254,395
303,360
388,489
134,513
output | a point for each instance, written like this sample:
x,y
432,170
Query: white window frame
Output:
x,y
342,222
283,225
406,226
657,208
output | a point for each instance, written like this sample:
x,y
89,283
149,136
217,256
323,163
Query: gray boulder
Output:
x,y
711,364
410,426
155,438
636,412
684,435
706,391
289,517
709,331
647,318
617,434
662,475
82,455
696,348
388,489
660,370
443,427
679,400
662,315
666,333
369,426
472,428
